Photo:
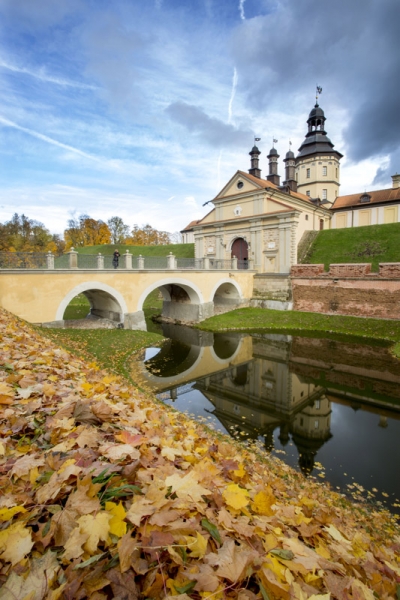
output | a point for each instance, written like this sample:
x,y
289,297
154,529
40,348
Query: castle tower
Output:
x,y
317,164
273,176
290,167
254,154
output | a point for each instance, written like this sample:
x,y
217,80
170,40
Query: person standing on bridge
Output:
x,y
115,259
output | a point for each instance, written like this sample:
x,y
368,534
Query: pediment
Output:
x,y
239,184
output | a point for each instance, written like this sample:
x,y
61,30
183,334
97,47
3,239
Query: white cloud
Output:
x,y
241,9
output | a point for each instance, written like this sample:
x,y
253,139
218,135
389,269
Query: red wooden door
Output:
x,y
240,249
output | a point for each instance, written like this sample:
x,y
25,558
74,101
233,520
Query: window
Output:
x,y
365,198
316,424
317,404
308,173
324,194
324,171
308,193
306,217
240,184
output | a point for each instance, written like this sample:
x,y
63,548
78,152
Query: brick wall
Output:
x,y
348,290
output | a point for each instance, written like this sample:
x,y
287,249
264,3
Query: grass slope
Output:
x,y
372,244
261,319
110,348
179,250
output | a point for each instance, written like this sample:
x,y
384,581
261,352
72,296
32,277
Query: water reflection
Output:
x,y
312,401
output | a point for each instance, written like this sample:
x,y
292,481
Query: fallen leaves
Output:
x,y
107,494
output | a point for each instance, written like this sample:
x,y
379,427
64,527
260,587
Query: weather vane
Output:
x,y
274,141
319,92
257,140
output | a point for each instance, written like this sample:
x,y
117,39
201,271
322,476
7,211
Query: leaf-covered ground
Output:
x,y
106,494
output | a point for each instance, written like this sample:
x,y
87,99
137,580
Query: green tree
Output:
x,y
118,230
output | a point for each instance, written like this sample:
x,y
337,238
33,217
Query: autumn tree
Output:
x,y
22,234
118,229
85,231
147,236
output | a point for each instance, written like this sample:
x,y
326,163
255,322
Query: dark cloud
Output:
x,y
208,129
351,48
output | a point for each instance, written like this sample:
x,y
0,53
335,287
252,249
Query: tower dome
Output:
x,y
317,163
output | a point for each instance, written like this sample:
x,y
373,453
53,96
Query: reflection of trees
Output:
x,y
174,358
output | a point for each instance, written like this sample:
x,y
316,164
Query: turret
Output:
x,y
254,154
273,176
290,164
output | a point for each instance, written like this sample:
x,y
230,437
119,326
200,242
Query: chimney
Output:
x,y
396,180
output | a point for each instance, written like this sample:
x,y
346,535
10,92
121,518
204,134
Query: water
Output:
x,y
330,409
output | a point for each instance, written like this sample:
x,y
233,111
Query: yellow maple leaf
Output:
x,y
97,528
240,471
187,487
8,513
6,389
117,523
263,501
236,496
196,545
16,542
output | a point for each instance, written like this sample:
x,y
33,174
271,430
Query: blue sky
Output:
x,y
144,109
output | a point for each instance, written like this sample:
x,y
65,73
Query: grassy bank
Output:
x,y
179,250
372,244
304,323
109,348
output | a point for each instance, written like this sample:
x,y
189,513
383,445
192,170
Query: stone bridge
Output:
x,y
189,295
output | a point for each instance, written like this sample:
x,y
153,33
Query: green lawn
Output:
x,y
304,323
372,244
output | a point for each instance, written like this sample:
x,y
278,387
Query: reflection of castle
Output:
x,y
259,383
257,397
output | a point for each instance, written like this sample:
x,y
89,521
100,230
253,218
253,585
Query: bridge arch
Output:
x,y
226,295
182,299
105,301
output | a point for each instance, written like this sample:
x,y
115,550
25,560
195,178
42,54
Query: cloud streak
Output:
x,y
48,140
42,76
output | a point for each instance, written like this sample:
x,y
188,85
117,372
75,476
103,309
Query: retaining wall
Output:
x,y
347,289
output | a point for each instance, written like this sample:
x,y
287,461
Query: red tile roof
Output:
x,y
377,197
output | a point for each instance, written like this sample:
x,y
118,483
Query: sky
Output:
x,y
144,109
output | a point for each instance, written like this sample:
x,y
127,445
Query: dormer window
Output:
x,y
365,198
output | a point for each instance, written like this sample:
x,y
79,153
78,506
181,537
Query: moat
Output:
x,y
328,408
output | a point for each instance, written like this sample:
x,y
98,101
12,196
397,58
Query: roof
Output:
x,y
264,183
376,197
190,226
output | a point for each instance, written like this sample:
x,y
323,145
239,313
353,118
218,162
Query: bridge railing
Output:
x,y
74,260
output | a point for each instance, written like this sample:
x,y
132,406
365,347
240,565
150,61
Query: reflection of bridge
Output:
x,y
40,296
190,355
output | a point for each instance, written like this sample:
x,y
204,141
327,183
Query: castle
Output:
x,y
261,222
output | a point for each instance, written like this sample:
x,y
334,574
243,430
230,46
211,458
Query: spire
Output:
x,y
290,163
254,154
273,156
316,141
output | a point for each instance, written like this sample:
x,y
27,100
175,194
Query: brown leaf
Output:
x,y
83,414
123,585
